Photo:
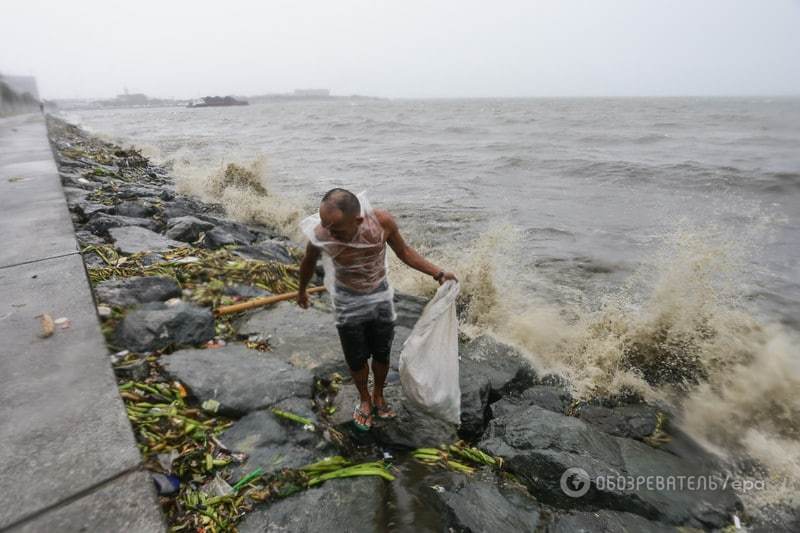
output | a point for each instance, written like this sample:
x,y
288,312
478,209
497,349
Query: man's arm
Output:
x,y
406,253
307,266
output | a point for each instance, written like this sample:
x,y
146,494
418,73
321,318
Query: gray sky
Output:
x,y
404,48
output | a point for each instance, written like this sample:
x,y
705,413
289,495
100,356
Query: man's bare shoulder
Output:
x,y
386,219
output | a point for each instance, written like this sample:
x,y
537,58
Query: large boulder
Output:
x,y
304,337
273,444
186,229
126,292
155,326
354,505
474,505
488,370
241,379
539,446
100,223
631,421
550,397
133,240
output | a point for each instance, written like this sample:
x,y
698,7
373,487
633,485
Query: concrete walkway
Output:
x,y
68,458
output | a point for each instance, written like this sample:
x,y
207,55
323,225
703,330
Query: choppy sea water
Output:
x,y
594,185
590,232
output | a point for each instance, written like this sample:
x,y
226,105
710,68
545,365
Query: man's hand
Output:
x,y
302,299
446,276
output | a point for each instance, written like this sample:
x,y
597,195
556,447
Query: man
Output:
x,y
351,238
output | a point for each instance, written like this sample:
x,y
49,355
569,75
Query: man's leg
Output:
x,y
380,335
356,352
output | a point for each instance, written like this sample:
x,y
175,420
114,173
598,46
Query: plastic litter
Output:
x,y
355,271
429,360
166,484
217,487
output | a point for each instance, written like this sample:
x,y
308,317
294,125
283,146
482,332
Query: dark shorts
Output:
x,y
362,340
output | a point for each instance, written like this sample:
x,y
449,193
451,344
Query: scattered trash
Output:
x,y
166,484
437,488
181,389
62,322
217,487
14,179
103,311
736,522
47,324
165,460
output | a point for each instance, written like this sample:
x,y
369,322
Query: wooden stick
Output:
x,y
264,300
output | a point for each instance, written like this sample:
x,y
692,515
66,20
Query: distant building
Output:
x,y
316,93
131,98
21,84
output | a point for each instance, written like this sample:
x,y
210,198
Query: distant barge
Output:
x,y
217,101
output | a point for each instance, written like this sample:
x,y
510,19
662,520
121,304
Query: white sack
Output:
x,y
429,360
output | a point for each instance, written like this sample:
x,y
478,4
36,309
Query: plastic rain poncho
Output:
x,y
355,271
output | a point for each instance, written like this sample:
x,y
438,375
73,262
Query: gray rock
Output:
x,y
101,223
242,380
505,367
475,387
134,208
272,444
540,445
126,292
630,421
240,233
186,229
605,522
475,506
269,250
75,195
85,209
412,428
306,338
548,397
352,505
155,326
217,238
132,240
488,370
85,238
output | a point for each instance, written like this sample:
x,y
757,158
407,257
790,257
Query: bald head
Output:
x,y
340,214
343,200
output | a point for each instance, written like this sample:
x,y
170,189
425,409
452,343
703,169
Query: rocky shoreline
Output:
x,y
204,393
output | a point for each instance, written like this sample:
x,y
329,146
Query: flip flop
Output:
x,y
384,412
359,426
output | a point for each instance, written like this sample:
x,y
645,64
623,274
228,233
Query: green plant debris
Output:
x,y
305,422
444,457
338,467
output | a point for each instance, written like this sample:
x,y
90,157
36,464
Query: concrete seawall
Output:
x,y
69,458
